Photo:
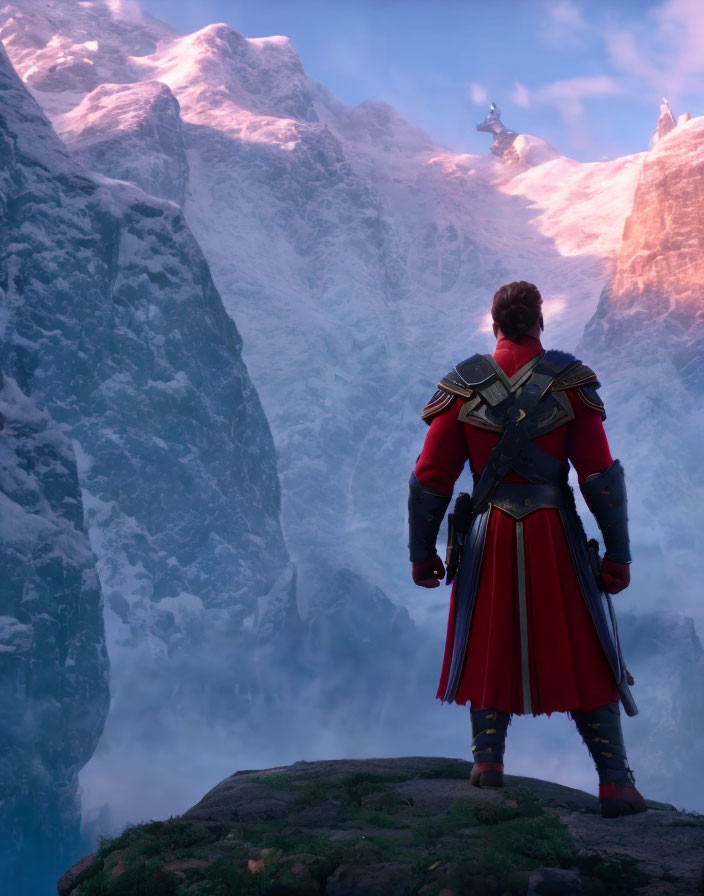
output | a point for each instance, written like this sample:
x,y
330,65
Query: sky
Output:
x,y
587,77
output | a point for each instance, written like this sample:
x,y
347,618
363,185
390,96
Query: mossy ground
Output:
x,y
471,846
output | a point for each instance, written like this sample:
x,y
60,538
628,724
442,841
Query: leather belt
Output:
x,y
519,499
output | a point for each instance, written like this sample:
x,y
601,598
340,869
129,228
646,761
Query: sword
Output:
x,y
629,703
458,524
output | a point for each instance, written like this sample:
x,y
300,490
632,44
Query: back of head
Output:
x,y
516,308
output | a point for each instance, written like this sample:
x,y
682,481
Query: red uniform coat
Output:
x,y
568,668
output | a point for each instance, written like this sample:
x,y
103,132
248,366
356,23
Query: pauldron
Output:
x,y
487,393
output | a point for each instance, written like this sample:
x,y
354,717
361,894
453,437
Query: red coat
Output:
x,y
568,668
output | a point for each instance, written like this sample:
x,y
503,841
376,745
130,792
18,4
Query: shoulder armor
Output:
x,y
579,377
461,381
574,374
591,397
489,401
440,401
467,375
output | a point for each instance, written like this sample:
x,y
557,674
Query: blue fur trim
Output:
x,y
555,356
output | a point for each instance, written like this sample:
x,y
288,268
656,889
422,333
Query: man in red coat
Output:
x,y
528,628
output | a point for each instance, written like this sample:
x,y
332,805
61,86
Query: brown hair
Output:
x,y
516,308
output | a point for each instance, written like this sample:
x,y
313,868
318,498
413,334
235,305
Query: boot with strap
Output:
x,y
488,742
601,732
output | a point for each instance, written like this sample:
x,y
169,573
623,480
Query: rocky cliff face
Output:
x,y
645,340
53,662
659,274
176,462
113,327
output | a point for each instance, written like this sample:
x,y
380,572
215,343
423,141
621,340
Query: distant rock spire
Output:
x,y
666,123
503,137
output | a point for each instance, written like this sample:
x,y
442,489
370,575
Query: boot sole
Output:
x,y
611,808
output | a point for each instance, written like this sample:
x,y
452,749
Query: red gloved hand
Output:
x,y
614,576
428,572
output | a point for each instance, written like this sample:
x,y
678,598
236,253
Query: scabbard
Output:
x,y
588,566
465,595
458,526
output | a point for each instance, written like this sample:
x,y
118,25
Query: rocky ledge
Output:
x,y
398,827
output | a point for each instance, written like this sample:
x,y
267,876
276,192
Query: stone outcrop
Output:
x,y
396,827
666,123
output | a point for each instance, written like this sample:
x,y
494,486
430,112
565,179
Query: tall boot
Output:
x,y
488,742
601,732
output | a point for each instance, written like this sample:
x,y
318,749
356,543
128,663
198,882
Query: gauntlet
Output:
x,y
426,510
605,494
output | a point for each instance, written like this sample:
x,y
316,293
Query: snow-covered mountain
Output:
x,y
349,227
358,259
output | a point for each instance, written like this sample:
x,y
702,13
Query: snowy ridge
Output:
x,y
133,131
217,71
73,47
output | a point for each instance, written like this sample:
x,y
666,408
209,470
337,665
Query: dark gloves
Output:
x,y
614,576
428,573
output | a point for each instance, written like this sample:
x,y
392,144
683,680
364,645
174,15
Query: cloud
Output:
x,y
663,51
632,59
566,95
658,46
563,25
572,91
478,94
521,95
